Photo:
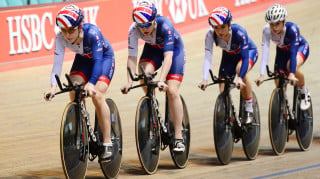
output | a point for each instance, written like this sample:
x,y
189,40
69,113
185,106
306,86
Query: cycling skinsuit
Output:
x,y
164,39
289,46
239,47
94,60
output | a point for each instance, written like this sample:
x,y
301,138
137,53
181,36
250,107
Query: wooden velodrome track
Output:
x,y
29,126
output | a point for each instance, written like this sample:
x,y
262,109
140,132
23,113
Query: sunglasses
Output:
x,y
69,30
145,25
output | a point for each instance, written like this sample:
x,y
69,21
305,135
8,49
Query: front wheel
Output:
x,y
304,125
251,132
74,145
147,135
111,168
180,159
278,127
222,128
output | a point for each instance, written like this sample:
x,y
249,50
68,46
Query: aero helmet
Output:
x,y
69,16
144,13
275,13
219,16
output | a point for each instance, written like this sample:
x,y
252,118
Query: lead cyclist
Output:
x,y
93,64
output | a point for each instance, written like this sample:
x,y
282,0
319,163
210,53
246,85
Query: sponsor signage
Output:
x,y
28,33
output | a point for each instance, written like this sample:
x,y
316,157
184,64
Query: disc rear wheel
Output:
x,y
111,168
180,159
304,126
251,134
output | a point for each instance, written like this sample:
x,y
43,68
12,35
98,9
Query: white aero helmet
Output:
x,y
275,13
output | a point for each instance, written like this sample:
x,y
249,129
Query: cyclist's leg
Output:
x,y
281,60
175,106
151,60
247,90
78,72
302,55
174,79
102,110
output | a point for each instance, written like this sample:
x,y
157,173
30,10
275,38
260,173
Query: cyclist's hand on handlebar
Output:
x,y
259,81
203,85
49,94
293,80
239,83
90,89
162,86
125,88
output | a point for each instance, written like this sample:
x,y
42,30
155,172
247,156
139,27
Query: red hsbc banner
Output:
x,y
28,33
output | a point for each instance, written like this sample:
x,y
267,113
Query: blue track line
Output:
x,y
288,171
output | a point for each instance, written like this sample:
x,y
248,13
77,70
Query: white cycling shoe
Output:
x,y
305,101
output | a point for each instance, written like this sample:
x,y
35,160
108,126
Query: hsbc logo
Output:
x,y
27,32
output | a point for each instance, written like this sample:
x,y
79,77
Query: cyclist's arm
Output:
x,y
207,54
132,50
243,37
167,31
58,59
265,46
132,64
96,39
166,65
294,35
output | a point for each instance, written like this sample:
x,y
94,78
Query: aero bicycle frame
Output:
x,y
228,86
82,116
282,84
153,103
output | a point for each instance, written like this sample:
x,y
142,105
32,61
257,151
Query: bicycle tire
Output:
x,y
180,159
222,132
72,165
149,159
278,124
111,168
251,134
304,125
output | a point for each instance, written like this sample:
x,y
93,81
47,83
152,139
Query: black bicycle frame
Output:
x,y
82,116
152,103
282,83
228,86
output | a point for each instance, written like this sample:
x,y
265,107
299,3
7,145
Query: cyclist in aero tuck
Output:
x,y
239,54
292,49
163,47
93,64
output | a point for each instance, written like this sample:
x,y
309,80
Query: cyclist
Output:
x,y
163,47
292,49
239,54
93,64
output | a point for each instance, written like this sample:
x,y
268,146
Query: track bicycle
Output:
x,y
229,128
80,142
152,133
283,121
